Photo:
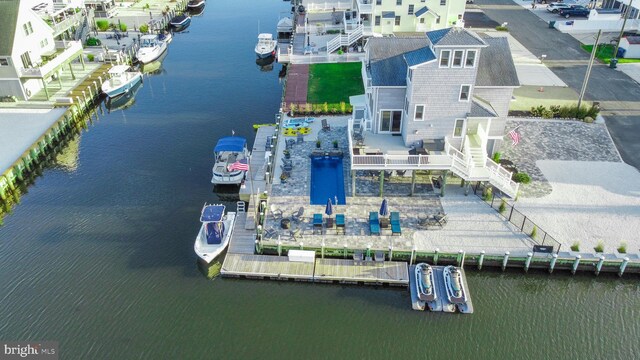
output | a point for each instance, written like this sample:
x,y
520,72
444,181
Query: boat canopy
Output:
x,y
265,36
118,69
212,213
285,25
231,143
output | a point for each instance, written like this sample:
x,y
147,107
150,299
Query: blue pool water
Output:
x,y
327,180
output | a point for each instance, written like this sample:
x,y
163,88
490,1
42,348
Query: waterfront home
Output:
x,y
436,102
35,49
365,18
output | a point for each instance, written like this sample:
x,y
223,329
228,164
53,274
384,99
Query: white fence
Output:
x,y
571,25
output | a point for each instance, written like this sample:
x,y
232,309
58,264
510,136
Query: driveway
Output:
x,y
619,95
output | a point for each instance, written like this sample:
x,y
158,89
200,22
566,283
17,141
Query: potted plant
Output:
x,y
283,179
287,154
335,144
318,144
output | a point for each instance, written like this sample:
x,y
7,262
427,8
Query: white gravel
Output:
x,y
590,202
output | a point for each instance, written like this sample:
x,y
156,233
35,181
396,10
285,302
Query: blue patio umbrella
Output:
x,y
329,209
384,208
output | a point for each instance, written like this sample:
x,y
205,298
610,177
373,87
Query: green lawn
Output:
x,y
333,83
604,53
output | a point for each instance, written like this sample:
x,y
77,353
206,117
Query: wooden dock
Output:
x,y
441,303
255,181
322,270
242,240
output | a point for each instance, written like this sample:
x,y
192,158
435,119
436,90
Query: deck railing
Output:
x,y
328,6
364,6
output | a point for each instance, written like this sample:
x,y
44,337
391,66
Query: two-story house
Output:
x,y
30,56
445,95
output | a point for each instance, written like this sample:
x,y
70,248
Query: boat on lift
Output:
x,y
426,282
453,284
215,231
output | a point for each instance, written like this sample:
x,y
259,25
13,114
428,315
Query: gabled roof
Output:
x,y
387,62
454,36
423,10
495,66
481,108
8,20
419,56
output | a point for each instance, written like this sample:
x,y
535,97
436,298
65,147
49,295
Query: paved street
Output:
x,y
618,94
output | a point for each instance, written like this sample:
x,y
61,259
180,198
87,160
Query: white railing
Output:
x,y
568,25
401,162
344,39
364,6
467,153
72,48
459,162
62,26
285,56
328,6
484,137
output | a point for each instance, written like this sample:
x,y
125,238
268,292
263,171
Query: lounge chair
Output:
x,y
296,216
276,213
287,162
374,224
379,256
395,223
317,223
340,226
325,125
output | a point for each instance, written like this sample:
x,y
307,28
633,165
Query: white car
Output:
x,y
557,6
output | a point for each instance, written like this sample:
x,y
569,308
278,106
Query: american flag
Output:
x,y
239,165
515,137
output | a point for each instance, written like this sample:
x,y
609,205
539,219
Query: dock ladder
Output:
x,y
240,207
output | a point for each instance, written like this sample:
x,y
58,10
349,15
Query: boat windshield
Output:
x,y
148,42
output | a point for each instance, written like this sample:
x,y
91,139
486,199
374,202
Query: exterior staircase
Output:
x,y
345,39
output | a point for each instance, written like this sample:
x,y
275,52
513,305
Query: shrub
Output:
x,y
555,109
123,27
308,108
488,192
501,28
343,107
293,108
93,42
622,249
102,25
534,232
144,28
325,107
318,143
335,144
90,57
496,157
600,247
340,52
575,246
522,178
588,119
503,206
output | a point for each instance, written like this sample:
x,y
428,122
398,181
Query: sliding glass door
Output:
x,y
390,121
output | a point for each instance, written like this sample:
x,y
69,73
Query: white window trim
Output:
x,y
468,94
462,131
462,58
415,111
401,111
440,59
475,59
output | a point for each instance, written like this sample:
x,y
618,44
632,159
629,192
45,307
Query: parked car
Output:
x,y
576,10
556,6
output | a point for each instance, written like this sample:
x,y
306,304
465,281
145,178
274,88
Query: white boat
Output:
x,y
150,49
121,80
266,46
453,283
232,161
180,22
195,4
215,232
426,282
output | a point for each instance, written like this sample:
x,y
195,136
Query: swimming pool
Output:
x,y
327,180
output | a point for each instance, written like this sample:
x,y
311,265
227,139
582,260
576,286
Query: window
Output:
x,y
4,62
444,58
457,58
421,20
443,2
464,92
410,9
471,59
438,20
378,20
390,121
397,20
26,60
410,74
44,42
419,114
28,29
378,2
398,2
457,129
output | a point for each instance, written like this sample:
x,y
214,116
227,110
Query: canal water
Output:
x,y
99,253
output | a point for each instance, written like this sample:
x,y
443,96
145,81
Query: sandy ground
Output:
x,y
590,202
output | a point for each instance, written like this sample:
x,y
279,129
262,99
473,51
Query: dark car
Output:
x,y
576,10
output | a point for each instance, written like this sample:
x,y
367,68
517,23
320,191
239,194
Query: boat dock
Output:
x,y
255,181
441,303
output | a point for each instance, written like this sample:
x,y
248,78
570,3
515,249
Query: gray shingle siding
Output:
x,y
500,99
388,99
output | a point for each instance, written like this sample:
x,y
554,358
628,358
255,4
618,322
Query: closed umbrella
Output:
x,y
384,208
329,209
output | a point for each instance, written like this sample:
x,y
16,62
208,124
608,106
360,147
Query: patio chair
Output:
x,y
379,256
296,233
441,219
286,168
276,213
296,216
287,162
317,223
300,138
374,224
395,223
270,233
340,226
325,125
358,257
289,143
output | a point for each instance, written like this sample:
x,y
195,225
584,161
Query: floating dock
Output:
x,y
441,303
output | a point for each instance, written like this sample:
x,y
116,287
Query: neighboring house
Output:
x,y
30,56
448,91
634,12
